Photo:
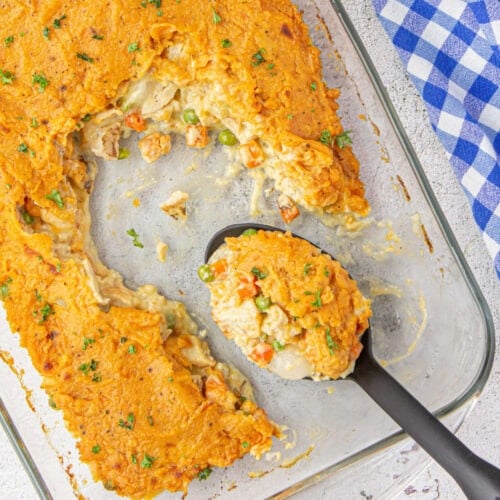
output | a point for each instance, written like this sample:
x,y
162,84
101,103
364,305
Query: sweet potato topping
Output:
x,y
304,316
114,361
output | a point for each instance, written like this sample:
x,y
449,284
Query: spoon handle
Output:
x,y
478,479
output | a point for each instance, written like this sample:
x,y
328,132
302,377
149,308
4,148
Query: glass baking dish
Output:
x,y
432,328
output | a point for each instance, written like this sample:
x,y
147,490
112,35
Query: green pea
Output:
x,y
277,345
205,273
189,116
249,232
262,302
227,138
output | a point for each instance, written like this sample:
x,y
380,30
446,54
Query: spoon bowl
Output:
x,y
477,478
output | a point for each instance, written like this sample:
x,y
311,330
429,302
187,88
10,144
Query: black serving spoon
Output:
x,y
477,478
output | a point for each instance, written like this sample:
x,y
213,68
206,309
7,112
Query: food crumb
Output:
x,y
161,251
175,205
136,202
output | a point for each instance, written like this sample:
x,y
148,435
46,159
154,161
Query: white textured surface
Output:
x,y
481,431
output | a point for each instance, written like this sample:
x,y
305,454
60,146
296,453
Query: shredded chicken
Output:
x,y
102,134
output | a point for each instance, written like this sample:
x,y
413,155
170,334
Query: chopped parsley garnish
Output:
x,y
150,420
343,139
8,41
147,461
34,123
45,312
38,296
204,474
258,58
307,268
226,43
4,288
40,80
85,57
86,367
270,66
332,345
131,349
277,345
133,458
96,377
133,47
22,148
258,273
46,32
123,340
95,36
249,232
245,444
129,423
7,77
135,238
52,404
57,22
96,449
326,272
317,301
326,138
86,342
55,196
216,19
123,153
156,3
86,117
314,86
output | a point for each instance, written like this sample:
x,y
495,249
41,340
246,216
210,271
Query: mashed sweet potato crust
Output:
x,y
114,360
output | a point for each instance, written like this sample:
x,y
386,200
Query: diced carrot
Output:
x,y
252,154
135,121
247,288
262,353
219,267
196,136
287,207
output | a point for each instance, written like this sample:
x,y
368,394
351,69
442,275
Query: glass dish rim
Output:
x,y
480,378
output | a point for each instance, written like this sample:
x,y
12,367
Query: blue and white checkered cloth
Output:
x,y
451,50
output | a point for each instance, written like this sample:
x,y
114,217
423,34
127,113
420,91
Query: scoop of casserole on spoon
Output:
x,y
293,309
